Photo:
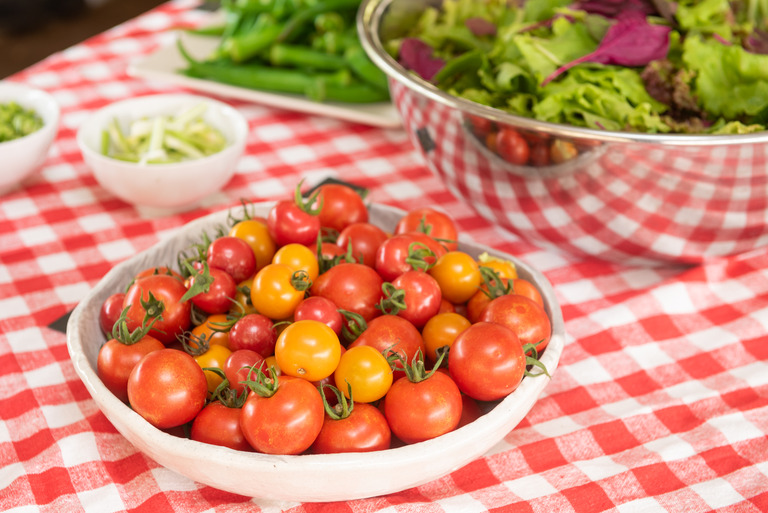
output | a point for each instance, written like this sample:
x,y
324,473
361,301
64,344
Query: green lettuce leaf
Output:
x,y
730,81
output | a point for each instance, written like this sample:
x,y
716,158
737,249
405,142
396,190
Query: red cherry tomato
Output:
x,y
218,424
116,360
169,291
341,206
423,410
288,223
421,295
239,368
321,309
392,255
522,315
512,146
363,239
432,222
352,287
364,430
253,331
232,255
392,333
286,422
168,388
219,295
487,361
110,312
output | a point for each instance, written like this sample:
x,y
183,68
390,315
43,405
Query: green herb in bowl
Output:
x,y
17,121
163,139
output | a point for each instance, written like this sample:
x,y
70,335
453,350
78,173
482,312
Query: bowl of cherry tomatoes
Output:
x,y
270,362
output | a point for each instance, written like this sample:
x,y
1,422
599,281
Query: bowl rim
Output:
x,y
236,144
175,448
369,18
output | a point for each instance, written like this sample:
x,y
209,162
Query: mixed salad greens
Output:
x,y
655,66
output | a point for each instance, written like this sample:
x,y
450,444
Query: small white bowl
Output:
x,y
310,477
23,156
165,187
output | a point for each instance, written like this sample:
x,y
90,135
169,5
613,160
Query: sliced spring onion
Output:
x,y
163,139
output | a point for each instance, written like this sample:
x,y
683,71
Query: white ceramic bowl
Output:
x,y
23,156
312,477
174,187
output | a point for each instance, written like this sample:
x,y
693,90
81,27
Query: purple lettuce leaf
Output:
x,y
631,41
757,42
417,56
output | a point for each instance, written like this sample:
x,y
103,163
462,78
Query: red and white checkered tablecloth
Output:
x,y
660,401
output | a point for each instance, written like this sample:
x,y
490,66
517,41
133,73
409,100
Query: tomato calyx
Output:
x,y
306,205
300,280
195,345
248,213
343,407
153,307
416,370
393,301
420,257
495,285
201,283
532,359
263,385
125,336
224,393
354,325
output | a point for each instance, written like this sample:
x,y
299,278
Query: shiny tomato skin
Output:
x,y
424,410
321,309
423,297
110,312
487,361
308,349
390,332
363,239
116,360
366,371
440,331
238,368
299,258
512,146
232,255
254,331
480,299
288,223
256,234
353,287
176,314
273,293
214,358
287,422
220,294
438,225
168,388
392,254
213,330
364,430
522,315
218,424
341,206
458,274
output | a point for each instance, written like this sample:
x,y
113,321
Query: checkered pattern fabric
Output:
x,y
660,401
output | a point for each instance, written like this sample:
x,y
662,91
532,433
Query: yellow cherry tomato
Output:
x,y
214,330
215,357
299,258
274,291
458,275
366,371
256,234
308,349
441,330
504,268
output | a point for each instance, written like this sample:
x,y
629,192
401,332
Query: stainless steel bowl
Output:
x,y
628,197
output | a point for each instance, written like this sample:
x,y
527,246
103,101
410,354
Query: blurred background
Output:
x,y
31,30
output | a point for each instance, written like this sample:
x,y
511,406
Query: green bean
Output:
x,y
242,47
302,57
302,18
364,69
352,93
